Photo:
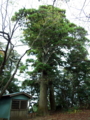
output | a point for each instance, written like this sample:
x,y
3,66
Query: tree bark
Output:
x,y
52,98
43,109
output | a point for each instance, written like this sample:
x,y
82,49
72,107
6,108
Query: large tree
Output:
x,y
51,34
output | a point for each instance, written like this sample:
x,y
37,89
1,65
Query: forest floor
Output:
x,y
75,115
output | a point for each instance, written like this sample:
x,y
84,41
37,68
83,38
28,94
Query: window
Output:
x,y
23,104
19,104
15,104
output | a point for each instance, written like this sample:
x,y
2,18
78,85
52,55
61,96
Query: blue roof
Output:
x,y
16,93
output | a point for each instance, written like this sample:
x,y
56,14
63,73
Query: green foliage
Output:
x,y
30,60
28,83
7,71
1,59
35,108
51,38
22,68
74,110
32,52
13,87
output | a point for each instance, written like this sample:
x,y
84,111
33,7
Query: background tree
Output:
x,y
7,73
73,81
7,31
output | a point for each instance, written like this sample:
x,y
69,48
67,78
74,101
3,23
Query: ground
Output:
x,y
75,115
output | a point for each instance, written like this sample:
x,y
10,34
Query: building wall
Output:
x,y
21,97
18,114
5,106
6,111
19,108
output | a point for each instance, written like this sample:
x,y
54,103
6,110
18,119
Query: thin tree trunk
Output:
x,y
52,98
43,109
11,78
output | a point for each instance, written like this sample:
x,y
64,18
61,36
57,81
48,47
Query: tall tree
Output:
x,y
53,33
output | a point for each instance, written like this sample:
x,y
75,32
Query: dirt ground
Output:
x,y
75,115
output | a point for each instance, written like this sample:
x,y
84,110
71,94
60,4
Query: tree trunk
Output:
x,y
52,98
43,109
